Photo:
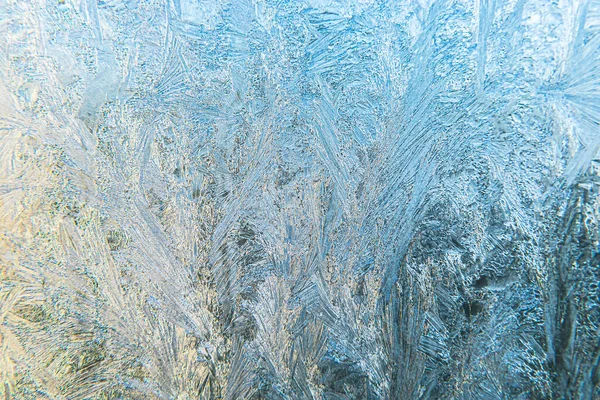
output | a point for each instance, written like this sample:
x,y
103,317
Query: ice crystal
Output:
x,y
299,199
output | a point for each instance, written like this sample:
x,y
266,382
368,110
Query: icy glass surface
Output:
x,y
299,199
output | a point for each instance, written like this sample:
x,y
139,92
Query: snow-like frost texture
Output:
x,y
299,199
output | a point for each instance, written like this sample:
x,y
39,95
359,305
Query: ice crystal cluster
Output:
x,y
299,199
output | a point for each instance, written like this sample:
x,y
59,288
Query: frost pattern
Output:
x,y
302,199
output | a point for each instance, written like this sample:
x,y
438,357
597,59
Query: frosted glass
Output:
x,y
299,199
